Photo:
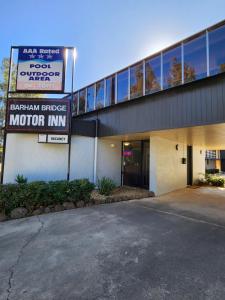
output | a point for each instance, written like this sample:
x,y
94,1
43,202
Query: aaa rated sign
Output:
x,y
40,69
38,115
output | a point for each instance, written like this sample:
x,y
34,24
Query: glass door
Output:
x,y
135,163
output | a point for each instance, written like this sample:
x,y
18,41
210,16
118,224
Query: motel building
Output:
x,y
147,125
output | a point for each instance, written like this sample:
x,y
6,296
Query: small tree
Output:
x,y
4,70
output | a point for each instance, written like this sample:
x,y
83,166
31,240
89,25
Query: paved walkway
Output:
x,y
140,249
201,202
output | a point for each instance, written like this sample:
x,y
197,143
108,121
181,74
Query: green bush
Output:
x,y
80,189
215,180
106,186
212,171
20,179
39,193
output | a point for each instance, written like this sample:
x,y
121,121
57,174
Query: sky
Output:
x,y
108,34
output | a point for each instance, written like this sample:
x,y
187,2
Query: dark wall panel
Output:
x,y
198,103
84,127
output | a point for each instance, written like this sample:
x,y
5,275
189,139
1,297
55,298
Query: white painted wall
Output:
x,y
82,157
109,159
24,155
198,156
167,173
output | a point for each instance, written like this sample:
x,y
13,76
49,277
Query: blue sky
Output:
x,y
108,34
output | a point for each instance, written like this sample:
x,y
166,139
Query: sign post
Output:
x,y
40,70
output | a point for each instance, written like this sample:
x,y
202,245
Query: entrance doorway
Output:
x,y
135,163
189,166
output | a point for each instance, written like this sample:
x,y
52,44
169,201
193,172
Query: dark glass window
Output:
x,y
90,98
153,75
110,91
136,81
172,67
122,86
195,62
217,51
75,104
82,100
99,94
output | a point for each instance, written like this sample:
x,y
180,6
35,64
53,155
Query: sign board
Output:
x,y
40,69
38,115
57,139
53,138
42,138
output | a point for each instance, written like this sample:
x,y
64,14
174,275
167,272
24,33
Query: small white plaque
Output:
x,y
42,138
57,139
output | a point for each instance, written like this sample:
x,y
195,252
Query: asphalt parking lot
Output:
x,y
144,249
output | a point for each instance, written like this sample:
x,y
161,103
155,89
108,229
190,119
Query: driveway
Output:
x,y
158,248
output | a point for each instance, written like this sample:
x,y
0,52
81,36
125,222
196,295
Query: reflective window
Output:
x,y
90,97
136,81
122,86
217,51
153,75
82,100
99,94
172,67
195,62
110,91
75,104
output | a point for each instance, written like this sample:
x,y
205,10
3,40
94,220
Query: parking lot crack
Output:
x,y
20,254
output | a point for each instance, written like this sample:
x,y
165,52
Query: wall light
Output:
x,y
126,144
112,145
183,160
177,146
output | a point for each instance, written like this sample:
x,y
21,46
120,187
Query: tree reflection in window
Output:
x,y
110,91
136,81
153,75
75,104
90,98
216,50
82,100
195,59
172,69
99,95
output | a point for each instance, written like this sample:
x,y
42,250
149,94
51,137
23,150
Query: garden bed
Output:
x,y
121,194
31,199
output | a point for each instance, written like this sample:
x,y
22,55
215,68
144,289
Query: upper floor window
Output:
x,y
122,86
82,101
153,75
99,102
217,50
136,81
195,62
75,104
110,91
172,70
90,97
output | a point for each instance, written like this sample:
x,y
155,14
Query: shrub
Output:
x,y
212,171
20,179
39,193
80,189
215,180
106,186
